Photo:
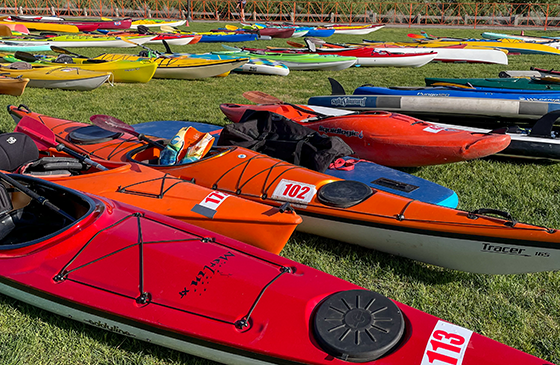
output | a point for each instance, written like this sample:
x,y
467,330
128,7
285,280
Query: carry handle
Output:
x,y
485,211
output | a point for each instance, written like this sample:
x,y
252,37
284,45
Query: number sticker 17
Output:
x,y
294,191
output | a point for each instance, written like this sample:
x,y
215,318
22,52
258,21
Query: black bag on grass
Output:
x,y
282,138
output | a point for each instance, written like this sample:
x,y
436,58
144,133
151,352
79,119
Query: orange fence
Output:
x,y
467,14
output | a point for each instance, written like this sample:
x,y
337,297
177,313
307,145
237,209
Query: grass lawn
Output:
x,y
522,311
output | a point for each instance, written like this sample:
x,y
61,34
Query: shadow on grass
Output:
x,y
132,348
383,263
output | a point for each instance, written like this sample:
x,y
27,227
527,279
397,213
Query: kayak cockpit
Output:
x,y
38,211
149,155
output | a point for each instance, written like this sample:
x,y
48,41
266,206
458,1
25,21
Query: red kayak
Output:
x,y
83,25
386,138
144,275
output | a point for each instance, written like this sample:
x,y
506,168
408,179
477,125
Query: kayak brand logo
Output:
x,y
204,276
11,140
344,132
348,101
505,250
433,94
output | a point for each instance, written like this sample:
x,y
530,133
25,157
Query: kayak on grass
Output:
x,y
522,85
183,68
140,71
140,274
376,176
386,138
148,188
56,77
366,57
253,66
539,140
340,209
299,62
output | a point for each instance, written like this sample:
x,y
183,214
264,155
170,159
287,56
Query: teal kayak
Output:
x,y
500,83
300,62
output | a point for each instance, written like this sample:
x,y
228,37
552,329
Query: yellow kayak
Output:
x,y
157,23
511,45
128,71
13,86
48,27
184,68
56,77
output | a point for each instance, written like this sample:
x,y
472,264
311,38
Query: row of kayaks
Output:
x,y
94,246
97,259
60,24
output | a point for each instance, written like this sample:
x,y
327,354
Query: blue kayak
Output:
x,y
376,176
233,37
452,91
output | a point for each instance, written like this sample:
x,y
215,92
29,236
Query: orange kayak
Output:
x,y
144,187
340,209
386,138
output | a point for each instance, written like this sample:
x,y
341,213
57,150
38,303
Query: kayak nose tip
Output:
x,y
484,147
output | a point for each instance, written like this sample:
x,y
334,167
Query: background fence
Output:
x,y
465,14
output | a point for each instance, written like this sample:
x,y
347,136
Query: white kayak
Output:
x,y
462,55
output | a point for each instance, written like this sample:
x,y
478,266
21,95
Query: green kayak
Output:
x,y
500,83
300,62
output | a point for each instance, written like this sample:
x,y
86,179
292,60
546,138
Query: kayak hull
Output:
x,y
67,78
386,221
150,189
427,106
387,138
184,68
111,269
520,84
376,176
13,86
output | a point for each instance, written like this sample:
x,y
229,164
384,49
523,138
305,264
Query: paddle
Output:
x,y
65,51
5,31
25,56
41,199
159,54
231,27
296,44
115,125
44,138
169,29
261,98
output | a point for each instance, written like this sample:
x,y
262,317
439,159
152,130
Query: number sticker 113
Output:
x,y
447,345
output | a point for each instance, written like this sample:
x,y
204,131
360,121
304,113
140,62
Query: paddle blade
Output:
x,y
231,27
112,124
168,29
24,56
295,44
261,98
5,31
415,36
42,135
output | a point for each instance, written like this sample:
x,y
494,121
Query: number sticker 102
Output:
x,y
294,191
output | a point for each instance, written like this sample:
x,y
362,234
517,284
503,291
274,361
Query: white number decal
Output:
x,y
213,200
294,191
447,345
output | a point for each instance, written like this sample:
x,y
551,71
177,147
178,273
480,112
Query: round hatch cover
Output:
x,y
92,134
358,325
344,193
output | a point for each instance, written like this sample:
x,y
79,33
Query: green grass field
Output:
x,y
522,311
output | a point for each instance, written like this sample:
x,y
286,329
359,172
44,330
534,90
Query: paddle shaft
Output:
x,y
44,138
41,199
